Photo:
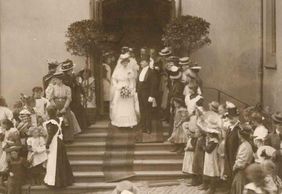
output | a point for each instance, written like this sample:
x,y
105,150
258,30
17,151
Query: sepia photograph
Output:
x,y
140,97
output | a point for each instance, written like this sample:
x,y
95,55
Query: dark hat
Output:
x,y
53,65
232,110
67,65
277,117
175,73
37,89
174,59
13,148
165,52
214,106
246,131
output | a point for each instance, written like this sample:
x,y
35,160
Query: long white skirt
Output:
x,y
188,162
123,111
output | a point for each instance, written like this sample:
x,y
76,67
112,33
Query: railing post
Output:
x,y
218,96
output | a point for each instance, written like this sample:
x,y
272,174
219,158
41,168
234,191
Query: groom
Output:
x,y
147,89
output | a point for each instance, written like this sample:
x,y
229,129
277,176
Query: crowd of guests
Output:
x,y
240,148
33,134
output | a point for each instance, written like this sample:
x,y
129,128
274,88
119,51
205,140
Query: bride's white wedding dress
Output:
x,y
124,111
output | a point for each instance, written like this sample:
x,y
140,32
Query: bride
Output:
x,y
124,101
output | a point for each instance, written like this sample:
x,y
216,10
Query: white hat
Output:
x,y
165,52
175,72
25,112
262,152
184,61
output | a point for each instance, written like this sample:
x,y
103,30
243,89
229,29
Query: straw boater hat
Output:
x,y
264,153
58,74
195,67
277,117
214,106
184,61
175,72
165,52
67,65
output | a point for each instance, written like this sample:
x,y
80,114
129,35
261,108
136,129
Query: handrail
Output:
x,y
220,92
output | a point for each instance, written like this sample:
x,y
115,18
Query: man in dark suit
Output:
x,y
274,140
232,141
52,66
147,89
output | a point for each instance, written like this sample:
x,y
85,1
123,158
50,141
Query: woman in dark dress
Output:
x,y
58,170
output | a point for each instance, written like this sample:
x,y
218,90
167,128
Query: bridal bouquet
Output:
x,y
125,92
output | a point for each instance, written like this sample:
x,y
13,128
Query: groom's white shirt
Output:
x,y
143,73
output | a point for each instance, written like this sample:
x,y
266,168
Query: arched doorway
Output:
x,y
138,23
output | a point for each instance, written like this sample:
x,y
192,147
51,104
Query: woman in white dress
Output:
x,y
124,102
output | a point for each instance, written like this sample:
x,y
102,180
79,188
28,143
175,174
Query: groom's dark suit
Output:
x,y
147,90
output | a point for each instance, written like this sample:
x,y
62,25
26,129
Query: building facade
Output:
x,y
245,40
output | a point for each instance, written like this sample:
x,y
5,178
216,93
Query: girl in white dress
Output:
x,y
124,104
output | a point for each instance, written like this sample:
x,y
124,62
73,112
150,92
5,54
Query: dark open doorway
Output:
x,y
137,23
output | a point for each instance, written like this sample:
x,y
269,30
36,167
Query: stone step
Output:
x,y
139,165
100,146
97,136
91,177
76,188
138,155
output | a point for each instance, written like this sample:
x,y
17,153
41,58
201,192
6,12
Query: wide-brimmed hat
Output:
x,y
67,65
165,52
13,148
25,112
214,106
184,61
195,67
175,73
277,117
212,124
264,153
232,110
58,74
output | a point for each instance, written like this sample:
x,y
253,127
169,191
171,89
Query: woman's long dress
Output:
x,y
124,110
60,94
58,169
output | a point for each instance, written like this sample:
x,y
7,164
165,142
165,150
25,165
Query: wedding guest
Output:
x,y
175,91
244,157
58,170
5,112
275,141
41,103
16,171
52,66
60,96
256,176
272,182
260,131
106,80
211,165
232,141
178,137
69,79
37,156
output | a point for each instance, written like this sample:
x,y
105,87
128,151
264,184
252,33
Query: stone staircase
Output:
x,y
153,163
